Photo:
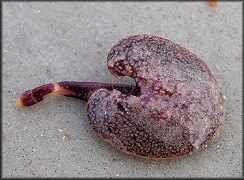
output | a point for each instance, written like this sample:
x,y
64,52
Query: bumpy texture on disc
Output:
x,y
177,111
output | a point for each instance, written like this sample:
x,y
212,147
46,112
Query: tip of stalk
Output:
x,y
19,102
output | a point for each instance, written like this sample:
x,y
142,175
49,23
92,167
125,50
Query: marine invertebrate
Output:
x,y
175,108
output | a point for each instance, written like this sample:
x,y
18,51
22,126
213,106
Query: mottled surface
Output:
x,y
45,42
179,107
